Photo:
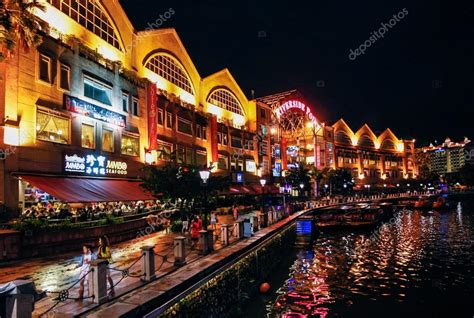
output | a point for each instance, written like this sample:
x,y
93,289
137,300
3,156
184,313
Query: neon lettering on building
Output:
x,y
294,104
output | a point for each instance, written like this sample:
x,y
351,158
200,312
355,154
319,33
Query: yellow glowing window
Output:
x,y
88,136
52,128
224,99
130,145
90,15
170,70
107,140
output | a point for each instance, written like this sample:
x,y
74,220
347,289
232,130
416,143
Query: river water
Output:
x,y
417,264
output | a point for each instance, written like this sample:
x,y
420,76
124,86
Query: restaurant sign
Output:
x,y
79,106
93,165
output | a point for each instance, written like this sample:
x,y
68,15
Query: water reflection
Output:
x,y
420,259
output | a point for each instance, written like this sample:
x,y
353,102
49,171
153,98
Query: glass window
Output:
x,y
204,133
184,126
201,158
136,106
88,136
198,131
130,145
53,128
189,156
97,90
170,70
240,165
90,15
225,99
180,154
222,163
64,77
125,101
236,142
169,120
263,113
45,68
164,151
107,140
160,117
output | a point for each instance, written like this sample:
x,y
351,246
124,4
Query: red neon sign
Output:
x,y
294,104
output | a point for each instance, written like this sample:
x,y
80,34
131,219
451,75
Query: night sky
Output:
x,y
418,79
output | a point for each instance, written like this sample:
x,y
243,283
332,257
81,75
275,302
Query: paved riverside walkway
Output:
x,y
56,273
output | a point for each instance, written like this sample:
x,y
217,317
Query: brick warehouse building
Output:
x,y
98,99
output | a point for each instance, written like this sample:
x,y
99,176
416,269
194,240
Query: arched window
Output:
x,y
342,137
388,144
224,99
91,16
366,141
168,68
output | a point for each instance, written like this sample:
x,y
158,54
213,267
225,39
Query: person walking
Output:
x,y
235,211
185,221
195,228
105,254
85,265
213,220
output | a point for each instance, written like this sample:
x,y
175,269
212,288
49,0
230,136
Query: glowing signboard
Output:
x,y
79,106
93,165
294,104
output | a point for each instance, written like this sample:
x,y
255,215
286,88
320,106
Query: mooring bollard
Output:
x,y
148,265
225,234
210,240
203,243
179,251
16,304
99,278
255,223
239,229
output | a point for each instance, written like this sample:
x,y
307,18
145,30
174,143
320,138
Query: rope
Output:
x,y
125,273
63,295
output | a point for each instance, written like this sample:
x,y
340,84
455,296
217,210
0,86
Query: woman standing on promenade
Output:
x,y
104,253
87,257
195,228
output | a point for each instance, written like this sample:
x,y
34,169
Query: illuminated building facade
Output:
x,y
449,156
292,135
98,99
373,159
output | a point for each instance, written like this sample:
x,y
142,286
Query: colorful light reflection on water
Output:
x,y
419,265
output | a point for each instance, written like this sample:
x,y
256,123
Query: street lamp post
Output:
x,y
205,175
263,182
301,187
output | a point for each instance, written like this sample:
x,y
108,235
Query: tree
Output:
x,y
180,181
297,176
20,26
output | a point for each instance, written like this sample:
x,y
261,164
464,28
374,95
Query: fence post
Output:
x,y
19,305
255,223
203,242
99,277
148,265
210,240
179,251
225,234
239,229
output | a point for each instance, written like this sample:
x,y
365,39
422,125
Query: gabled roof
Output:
x,y
233,87
273,99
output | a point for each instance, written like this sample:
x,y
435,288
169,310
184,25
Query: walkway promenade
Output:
x,y
57,275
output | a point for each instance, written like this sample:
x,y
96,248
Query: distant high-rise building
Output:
x,y
449,156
